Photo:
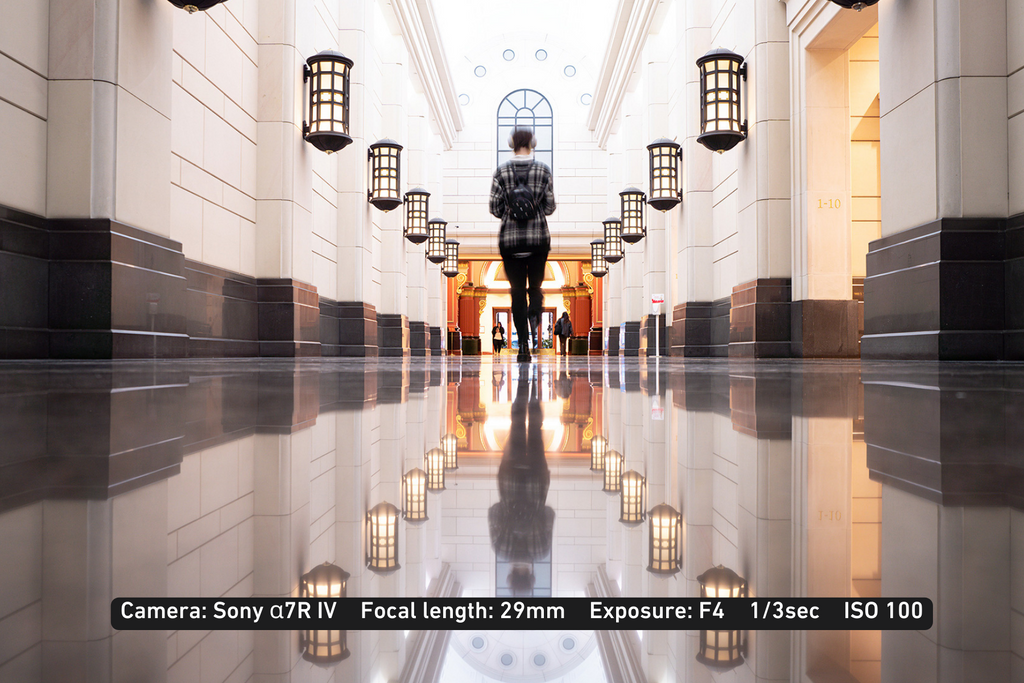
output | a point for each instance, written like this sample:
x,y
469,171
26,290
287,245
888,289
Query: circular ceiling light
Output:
x,y
463,99
509,55
569,71
568,644
477,643
480,71
541,55
539,660
507,659
586,98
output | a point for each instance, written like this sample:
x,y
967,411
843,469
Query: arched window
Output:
x,y
526,109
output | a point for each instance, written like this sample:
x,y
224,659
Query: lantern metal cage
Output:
x,y
382,538
633,228
385,157
721,127
633,498
663,547
613,249
598,452
720,650
436,230
855,4
450,447
324,647
414,483
195,5
433,462
324,581
613,472
722,582
665,156
598,264
328,76
417,203
450,266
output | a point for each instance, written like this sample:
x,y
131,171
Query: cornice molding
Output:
x,y
620,650
632,24
426,650
419,32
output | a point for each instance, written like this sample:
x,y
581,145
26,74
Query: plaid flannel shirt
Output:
x,y
533,235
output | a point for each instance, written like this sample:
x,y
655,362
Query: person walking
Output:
x,y
522,196
498,338
563,330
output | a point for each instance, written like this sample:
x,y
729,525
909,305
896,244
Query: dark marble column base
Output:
x,y
419,338
392,335
289,318
759,319
454,342
436,341
613,340
825,328
357,329
222,312
595,340
938,291
654,332
629,338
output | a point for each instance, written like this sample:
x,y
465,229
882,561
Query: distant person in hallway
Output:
x,y
522,196
498,338
563,330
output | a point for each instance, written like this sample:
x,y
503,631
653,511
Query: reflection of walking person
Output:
x,y
563,330
522,196
498,338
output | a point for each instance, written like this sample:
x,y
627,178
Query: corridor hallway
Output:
x,y
232,478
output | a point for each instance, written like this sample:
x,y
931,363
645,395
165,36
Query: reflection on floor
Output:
x,y
564,477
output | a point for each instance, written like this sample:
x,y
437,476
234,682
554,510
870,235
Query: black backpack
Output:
x,y
521,204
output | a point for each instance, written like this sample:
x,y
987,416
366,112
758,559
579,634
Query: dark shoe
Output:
x,y
524,356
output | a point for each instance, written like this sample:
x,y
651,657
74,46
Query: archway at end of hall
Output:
x,y
479,298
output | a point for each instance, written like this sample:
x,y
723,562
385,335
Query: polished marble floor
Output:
x,y
234,478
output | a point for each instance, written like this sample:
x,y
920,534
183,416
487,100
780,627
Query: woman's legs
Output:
x,y
516,271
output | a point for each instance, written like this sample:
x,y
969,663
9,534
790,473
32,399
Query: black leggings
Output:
x,y
525,274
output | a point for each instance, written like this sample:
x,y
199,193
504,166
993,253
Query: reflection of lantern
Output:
x,y
328,73
324,647
437,227
721,127
720,650
598,450
613,472
417,203
382,538
665,155
722,582
434,462
613,250
631,509
666,525
633,228
450,267
193,6
385,158
415,483
598,265
450,446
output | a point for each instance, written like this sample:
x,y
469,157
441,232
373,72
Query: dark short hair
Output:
x,y
522,138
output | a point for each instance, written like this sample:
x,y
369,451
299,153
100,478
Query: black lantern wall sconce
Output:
x,y
663,546
328,75
633,498
665,157
598,451
450,267
613,472
434,463
721,127
613,249
195,5
417,204
385,157
415,495
598,264
721,650
450,448
855,4
382,538
436,230
633,229
324,647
